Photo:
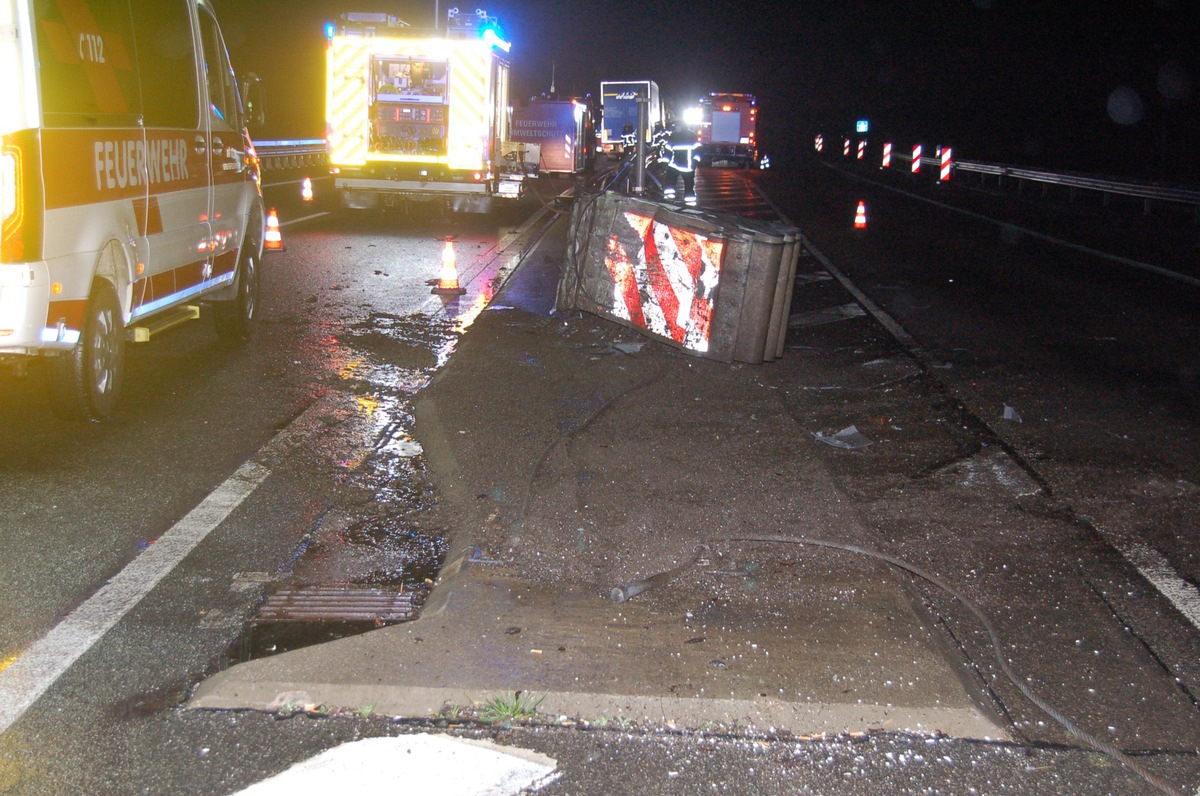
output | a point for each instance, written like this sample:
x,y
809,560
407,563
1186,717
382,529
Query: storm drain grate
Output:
x,y
336,604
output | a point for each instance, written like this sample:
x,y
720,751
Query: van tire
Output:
x,y
234,319
85,382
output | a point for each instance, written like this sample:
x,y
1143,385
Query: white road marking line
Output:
x,y
291,221
38,667
1147,561
415,764
1156,569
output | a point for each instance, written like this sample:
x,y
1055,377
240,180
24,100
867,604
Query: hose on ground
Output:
x,y
600,410
627,591
635,587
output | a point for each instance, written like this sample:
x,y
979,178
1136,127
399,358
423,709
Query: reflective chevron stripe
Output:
x,y
666,282
469,107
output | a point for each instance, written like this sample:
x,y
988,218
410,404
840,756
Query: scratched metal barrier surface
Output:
x,y
711,284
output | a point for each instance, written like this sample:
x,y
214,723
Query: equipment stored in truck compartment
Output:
x,y
563,130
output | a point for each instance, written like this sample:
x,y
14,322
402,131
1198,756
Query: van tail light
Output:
x,y
20,198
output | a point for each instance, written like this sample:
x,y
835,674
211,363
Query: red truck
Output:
x,y
727,130
563,129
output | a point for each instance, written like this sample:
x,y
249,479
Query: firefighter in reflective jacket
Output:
x,y
682,156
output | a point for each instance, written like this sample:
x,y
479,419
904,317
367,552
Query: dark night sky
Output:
x,y
1106,87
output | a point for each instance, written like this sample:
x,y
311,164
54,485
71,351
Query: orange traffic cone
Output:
x,y
306,189
860,216
447,284
274,240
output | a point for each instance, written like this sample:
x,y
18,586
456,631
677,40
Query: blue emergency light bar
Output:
x,y
492,37
480,23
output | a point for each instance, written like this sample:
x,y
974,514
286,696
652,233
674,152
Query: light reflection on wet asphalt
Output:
x,y
379,359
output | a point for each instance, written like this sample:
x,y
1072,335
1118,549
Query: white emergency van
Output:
x,y
129,187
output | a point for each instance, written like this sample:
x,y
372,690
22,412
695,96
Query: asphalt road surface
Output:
x,y
1082,368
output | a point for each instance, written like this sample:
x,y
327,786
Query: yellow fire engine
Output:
x,y
420,115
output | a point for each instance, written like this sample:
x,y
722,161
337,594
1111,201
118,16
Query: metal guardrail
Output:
x,y
1134,188
1107,186
291,154
310,152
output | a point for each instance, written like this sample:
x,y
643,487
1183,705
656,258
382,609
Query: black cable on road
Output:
x,y
629,590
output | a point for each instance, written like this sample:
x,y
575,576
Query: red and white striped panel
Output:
x,y
664,279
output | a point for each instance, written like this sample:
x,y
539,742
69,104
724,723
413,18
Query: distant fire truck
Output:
x,y
727,130
422,116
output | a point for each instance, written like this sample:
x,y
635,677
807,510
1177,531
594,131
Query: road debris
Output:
x,y
849,438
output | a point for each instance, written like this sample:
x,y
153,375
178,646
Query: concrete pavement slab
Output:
x,y
566,468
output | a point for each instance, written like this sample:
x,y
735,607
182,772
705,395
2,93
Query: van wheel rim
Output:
x,y
104,352
249,297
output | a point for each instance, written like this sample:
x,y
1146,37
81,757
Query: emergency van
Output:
x,y
129,187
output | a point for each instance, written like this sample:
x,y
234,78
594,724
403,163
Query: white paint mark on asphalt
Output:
x,y
414,764
38,667
1156,569
30,674
291,221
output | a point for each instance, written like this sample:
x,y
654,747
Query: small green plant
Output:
x,y
451,712
505,708
365,711
291,706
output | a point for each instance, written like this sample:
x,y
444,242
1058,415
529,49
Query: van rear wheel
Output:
x,y
86,381
234,319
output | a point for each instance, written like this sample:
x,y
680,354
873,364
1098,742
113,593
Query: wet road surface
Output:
x,y
349,334
349,330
